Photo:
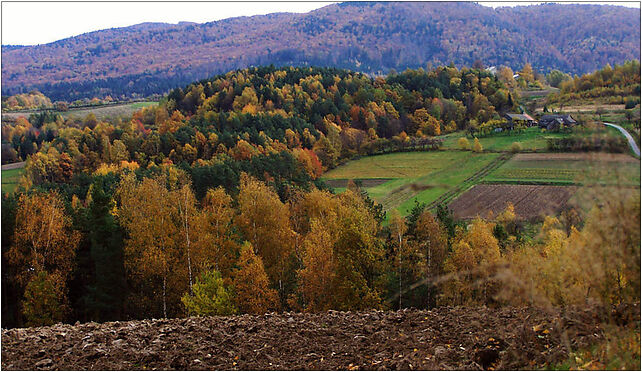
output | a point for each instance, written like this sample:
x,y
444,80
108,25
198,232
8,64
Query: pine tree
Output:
x,y
107,291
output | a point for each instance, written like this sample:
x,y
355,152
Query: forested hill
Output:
x,y
367,37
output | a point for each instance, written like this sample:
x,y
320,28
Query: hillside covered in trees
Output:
x,y
241,224
611,84
125,62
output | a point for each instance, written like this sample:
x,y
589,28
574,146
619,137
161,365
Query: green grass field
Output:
x,y
421,176
532,139
10,179
101,112
584,168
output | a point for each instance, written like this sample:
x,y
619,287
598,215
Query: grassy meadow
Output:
x,y
101,112
532,139
10,179
397,180
410,176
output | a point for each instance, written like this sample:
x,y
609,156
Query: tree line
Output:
x,y
137,247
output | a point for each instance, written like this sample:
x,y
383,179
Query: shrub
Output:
x,y
477,147
516,147
631,103
593,142
42,304
209,296
463,143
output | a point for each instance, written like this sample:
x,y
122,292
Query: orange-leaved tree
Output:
x,y
265,222
251,285
151,255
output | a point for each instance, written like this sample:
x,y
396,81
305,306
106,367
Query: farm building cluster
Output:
x,y
548,122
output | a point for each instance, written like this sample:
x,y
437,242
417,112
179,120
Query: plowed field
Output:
x,y
530,201
445,338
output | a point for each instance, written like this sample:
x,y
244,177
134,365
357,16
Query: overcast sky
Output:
x,y
31,23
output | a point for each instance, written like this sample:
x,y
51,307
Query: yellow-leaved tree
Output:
x,y
265,222
251,285
317,277
216,246
43,255
152,259
473,264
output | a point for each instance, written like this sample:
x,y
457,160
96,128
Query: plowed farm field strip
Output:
x,y
530,201
446,338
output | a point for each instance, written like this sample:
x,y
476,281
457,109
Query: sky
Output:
x,y
31,23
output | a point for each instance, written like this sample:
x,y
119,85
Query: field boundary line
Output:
x,y
470,181
11,166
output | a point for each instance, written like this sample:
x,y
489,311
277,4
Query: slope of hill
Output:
x,y
154,57
446,338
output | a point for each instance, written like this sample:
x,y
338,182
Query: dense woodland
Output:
x,y
317,115
124,62
210,204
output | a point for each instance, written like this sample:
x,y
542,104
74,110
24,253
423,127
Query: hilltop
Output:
x,y
125,62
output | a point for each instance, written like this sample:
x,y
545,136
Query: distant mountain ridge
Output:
x,y
152,58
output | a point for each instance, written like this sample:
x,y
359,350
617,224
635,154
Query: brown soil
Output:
x,y
445,338
530,201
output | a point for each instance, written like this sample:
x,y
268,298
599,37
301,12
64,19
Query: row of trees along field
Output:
x,y
147,247
35,100
31,100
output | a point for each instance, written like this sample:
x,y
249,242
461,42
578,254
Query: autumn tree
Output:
x,y
472,264
187,215
505,75
463,143
251,285
217,245
43,301
477,146
209,296
431,241
44,245
265,222
527,73
318,275
425,124
359,255
151,255
398,229
247,100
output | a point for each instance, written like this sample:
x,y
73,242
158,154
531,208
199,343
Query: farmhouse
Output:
x,y
555,121
524,118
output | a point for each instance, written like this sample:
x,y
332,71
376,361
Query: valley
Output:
x,y
366,186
